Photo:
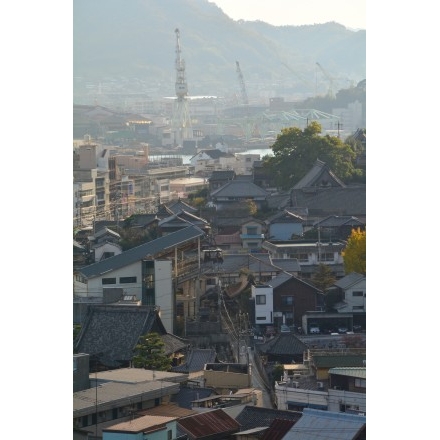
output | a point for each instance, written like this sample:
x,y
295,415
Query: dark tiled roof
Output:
x,y
254,417
288,264
196,361
187,395
283,344
345,360
179,206
114,331
238,188
222,175
173,343
285,217
349,280
139,252
350,200
214,153
312,178
210,423
339,220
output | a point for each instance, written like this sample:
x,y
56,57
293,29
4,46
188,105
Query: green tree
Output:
x,y
295,151
355,253
149,353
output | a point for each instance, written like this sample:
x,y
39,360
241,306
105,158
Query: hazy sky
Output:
x,y
350,13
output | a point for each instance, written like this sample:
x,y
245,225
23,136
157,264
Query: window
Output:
x,y
251,230
127,280
252,245
358,293
287,300
326,256
360,383
109,281
261,318
301,257
358,307
260,299
108,255
170,434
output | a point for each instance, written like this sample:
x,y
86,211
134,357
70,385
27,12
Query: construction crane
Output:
x,y
330,79
181,118
306,82
244,96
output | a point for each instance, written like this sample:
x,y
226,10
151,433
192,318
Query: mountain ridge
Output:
x,y
136,39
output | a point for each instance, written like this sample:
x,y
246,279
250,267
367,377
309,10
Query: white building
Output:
x,y
263,296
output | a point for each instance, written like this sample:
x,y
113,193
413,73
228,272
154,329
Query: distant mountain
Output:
x,y
135,41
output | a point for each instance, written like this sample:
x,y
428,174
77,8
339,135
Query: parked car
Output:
x,y
285,329
314,330
342,330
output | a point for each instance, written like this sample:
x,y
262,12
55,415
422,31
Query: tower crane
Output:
x,y
330,79
244,96
181,118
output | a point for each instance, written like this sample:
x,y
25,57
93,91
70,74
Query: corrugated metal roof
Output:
x,y
325,425
209,423
139,252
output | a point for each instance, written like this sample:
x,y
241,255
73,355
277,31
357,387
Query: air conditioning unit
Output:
x,y
295,384
296,376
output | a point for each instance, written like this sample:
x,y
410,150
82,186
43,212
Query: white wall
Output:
x,y
164,292
94,287
263,310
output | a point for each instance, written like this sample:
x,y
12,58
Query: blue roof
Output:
x,y
316,423
137,253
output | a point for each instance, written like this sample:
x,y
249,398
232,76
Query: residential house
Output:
x,y
155,427
144,271
347,390
338,227
310,254
262,295
283,348
224,377
207,161
311,386
315,423
292,298
352,288
252,234
110,333
210,425
104,244
195,362
183,186
277,429
284,225
219,178
238,191
108,403
321,361
320,193
181,220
